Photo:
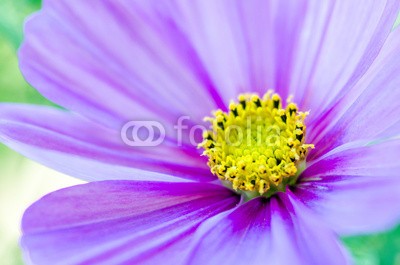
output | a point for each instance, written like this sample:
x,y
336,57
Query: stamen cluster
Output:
x,y
258,145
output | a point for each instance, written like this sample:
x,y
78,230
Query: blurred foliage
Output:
x,y
18,186
12,14
13,88
397,22
381,248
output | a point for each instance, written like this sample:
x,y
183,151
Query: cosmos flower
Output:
x,y
327,165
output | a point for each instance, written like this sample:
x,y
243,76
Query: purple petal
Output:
x,y
355,189
116,60
276,231
81,148
120,222
369,110
311,49
245,46
113,61
339,42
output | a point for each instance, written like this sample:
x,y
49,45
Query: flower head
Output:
x,y
258,145
321,165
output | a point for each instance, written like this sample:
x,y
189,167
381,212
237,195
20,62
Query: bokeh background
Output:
x,y
23,181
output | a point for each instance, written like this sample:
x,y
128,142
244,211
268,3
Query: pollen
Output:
x,y
258,145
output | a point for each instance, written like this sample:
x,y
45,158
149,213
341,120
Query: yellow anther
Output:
x,y
242,97
258,145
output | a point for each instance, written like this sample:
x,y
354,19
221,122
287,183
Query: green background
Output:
x,y
23,181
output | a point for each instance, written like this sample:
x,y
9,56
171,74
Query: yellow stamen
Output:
x,y
257,146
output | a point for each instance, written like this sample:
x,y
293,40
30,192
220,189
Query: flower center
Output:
x,y
257,146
